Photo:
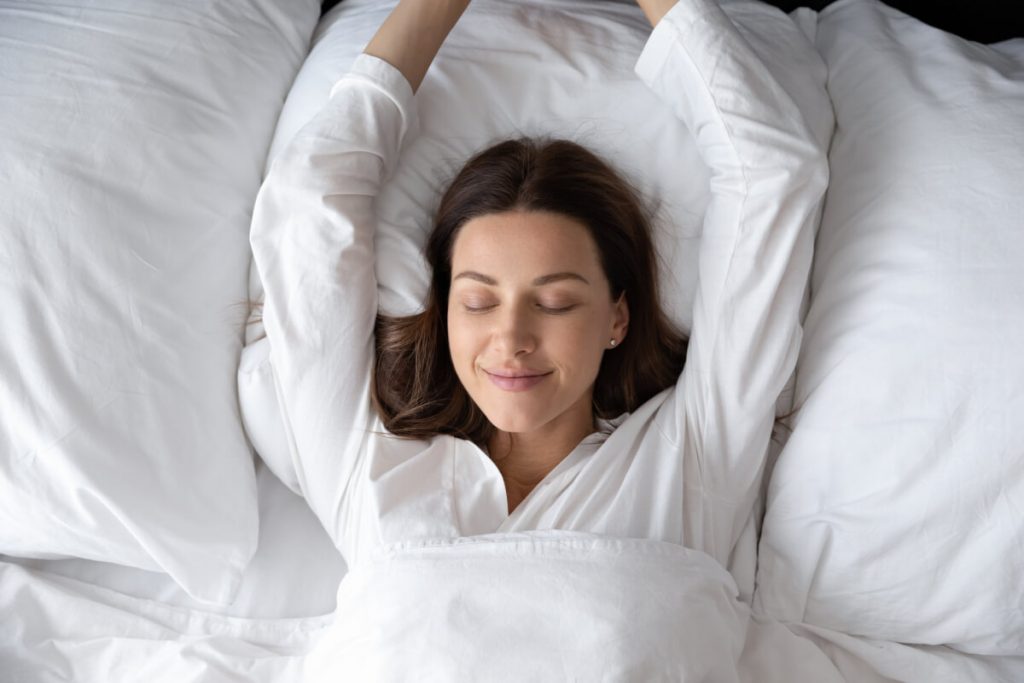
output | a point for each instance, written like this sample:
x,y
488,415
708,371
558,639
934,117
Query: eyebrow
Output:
x,y
542,280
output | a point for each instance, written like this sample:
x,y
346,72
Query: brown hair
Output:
x,y
414,386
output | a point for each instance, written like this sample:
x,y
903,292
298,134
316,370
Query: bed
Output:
x,y
153,522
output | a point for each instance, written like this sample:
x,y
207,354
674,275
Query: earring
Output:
x,y
613,342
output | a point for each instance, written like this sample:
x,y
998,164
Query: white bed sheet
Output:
x,y
295,572
57,628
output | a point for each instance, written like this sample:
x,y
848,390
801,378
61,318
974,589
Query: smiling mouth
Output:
x,y
516,382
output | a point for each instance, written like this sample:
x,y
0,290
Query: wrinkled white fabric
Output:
x,y
895,511
683,468
132,139
56,629
552,606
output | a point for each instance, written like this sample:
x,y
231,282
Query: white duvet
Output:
x,y
583,607
550,605
556,606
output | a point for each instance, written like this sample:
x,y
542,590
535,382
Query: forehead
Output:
x,y
525,244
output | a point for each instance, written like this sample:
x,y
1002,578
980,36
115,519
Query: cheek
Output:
x,y
571,337
579,344
461,343
454,335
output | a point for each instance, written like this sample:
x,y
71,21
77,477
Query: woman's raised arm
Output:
x,y
413,33
312,239
768,176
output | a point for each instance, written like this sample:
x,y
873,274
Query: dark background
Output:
x,y
984,21
987,21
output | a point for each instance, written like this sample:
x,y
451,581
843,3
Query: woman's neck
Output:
x,y
525,458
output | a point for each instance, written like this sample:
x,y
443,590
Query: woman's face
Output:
x,y
530,316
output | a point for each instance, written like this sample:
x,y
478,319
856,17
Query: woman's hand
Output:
x,y
656,9
413,33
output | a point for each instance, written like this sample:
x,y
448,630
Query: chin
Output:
x,y
515,413
513,422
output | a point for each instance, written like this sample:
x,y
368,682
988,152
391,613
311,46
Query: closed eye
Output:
x,y
556,310
552,310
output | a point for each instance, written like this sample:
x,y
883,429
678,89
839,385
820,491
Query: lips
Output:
x,y
516,380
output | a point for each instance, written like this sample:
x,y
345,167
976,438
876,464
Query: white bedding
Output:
x,y
638,608
57,629
132,140
557,605
896,510
294,573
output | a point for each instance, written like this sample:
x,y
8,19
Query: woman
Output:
x,y
541,387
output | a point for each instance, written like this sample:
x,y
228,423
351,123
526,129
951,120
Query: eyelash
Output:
x,y
554,311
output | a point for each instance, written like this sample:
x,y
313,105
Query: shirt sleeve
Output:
x,y
312,241
768,176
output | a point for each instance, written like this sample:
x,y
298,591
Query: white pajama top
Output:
x,y
685,467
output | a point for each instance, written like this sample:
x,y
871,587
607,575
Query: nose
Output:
x,y
514,334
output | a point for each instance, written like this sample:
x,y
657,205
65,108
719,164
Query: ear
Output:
x,y
620,318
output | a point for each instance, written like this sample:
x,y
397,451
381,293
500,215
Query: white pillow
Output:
x,y
896,510
134,136
549,67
